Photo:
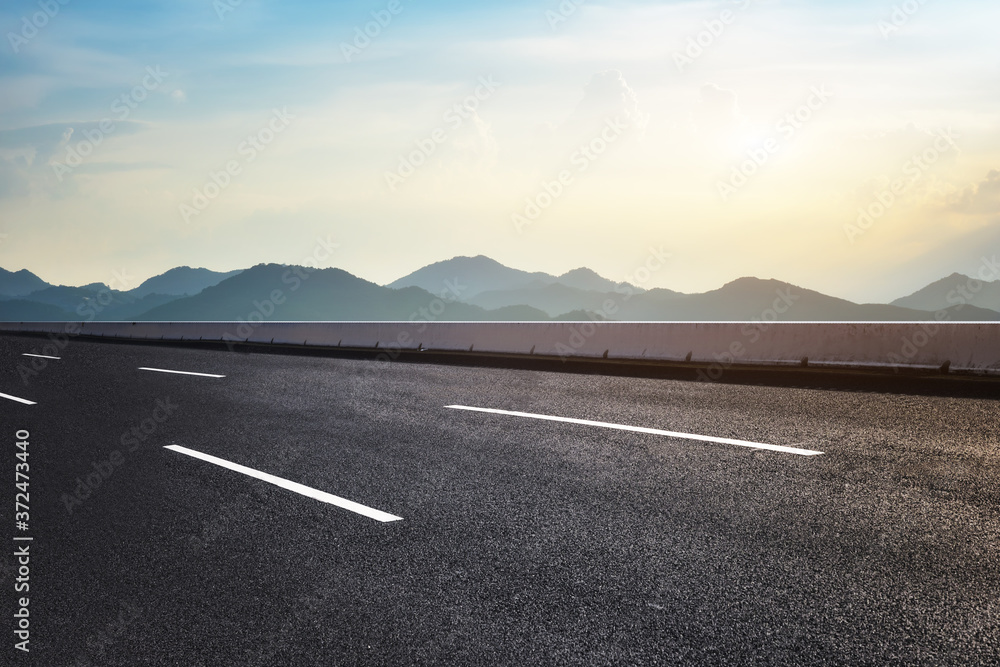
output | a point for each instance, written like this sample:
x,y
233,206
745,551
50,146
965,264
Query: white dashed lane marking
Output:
x,y
164,370
19,400
642,429
309,492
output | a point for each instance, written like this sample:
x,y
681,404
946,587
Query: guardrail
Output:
x,y
949,347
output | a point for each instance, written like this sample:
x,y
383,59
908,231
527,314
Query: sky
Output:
x,y
848,147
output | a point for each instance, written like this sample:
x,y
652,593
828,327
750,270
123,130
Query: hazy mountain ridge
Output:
x,y
554,298
21,310
181,281
274,291
749,299
94,302
590,281
468,277
462,289
956,289
465,277
97,301
489,286
19,283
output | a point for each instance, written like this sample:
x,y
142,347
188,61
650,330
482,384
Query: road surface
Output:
x,y
172,522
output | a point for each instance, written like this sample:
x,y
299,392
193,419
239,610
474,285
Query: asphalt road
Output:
x,y
522,541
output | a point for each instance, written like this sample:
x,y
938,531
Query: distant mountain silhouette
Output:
x,y
589,281
21,310
94,302
740,300
181,281
512,314
474,277
470,276
466,289
69,298
952,291
554,299
333,294
756,299
580,316
327,294
19,283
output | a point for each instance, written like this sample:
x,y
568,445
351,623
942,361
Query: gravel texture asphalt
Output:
x,y
521,542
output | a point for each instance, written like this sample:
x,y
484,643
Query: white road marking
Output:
x,y
309,492
163,370
641,429
19,400
40,356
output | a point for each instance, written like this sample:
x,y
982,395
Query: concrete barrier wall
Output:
x,y
966,346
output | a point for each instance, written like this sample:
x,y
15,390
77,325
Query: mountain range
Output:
x,y
465,289
955,289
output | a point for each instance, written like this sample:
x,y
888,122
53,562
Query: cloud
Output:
x,y
904,142
978,198
107,167
28,154
608,95
719,108
473,145
40,141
